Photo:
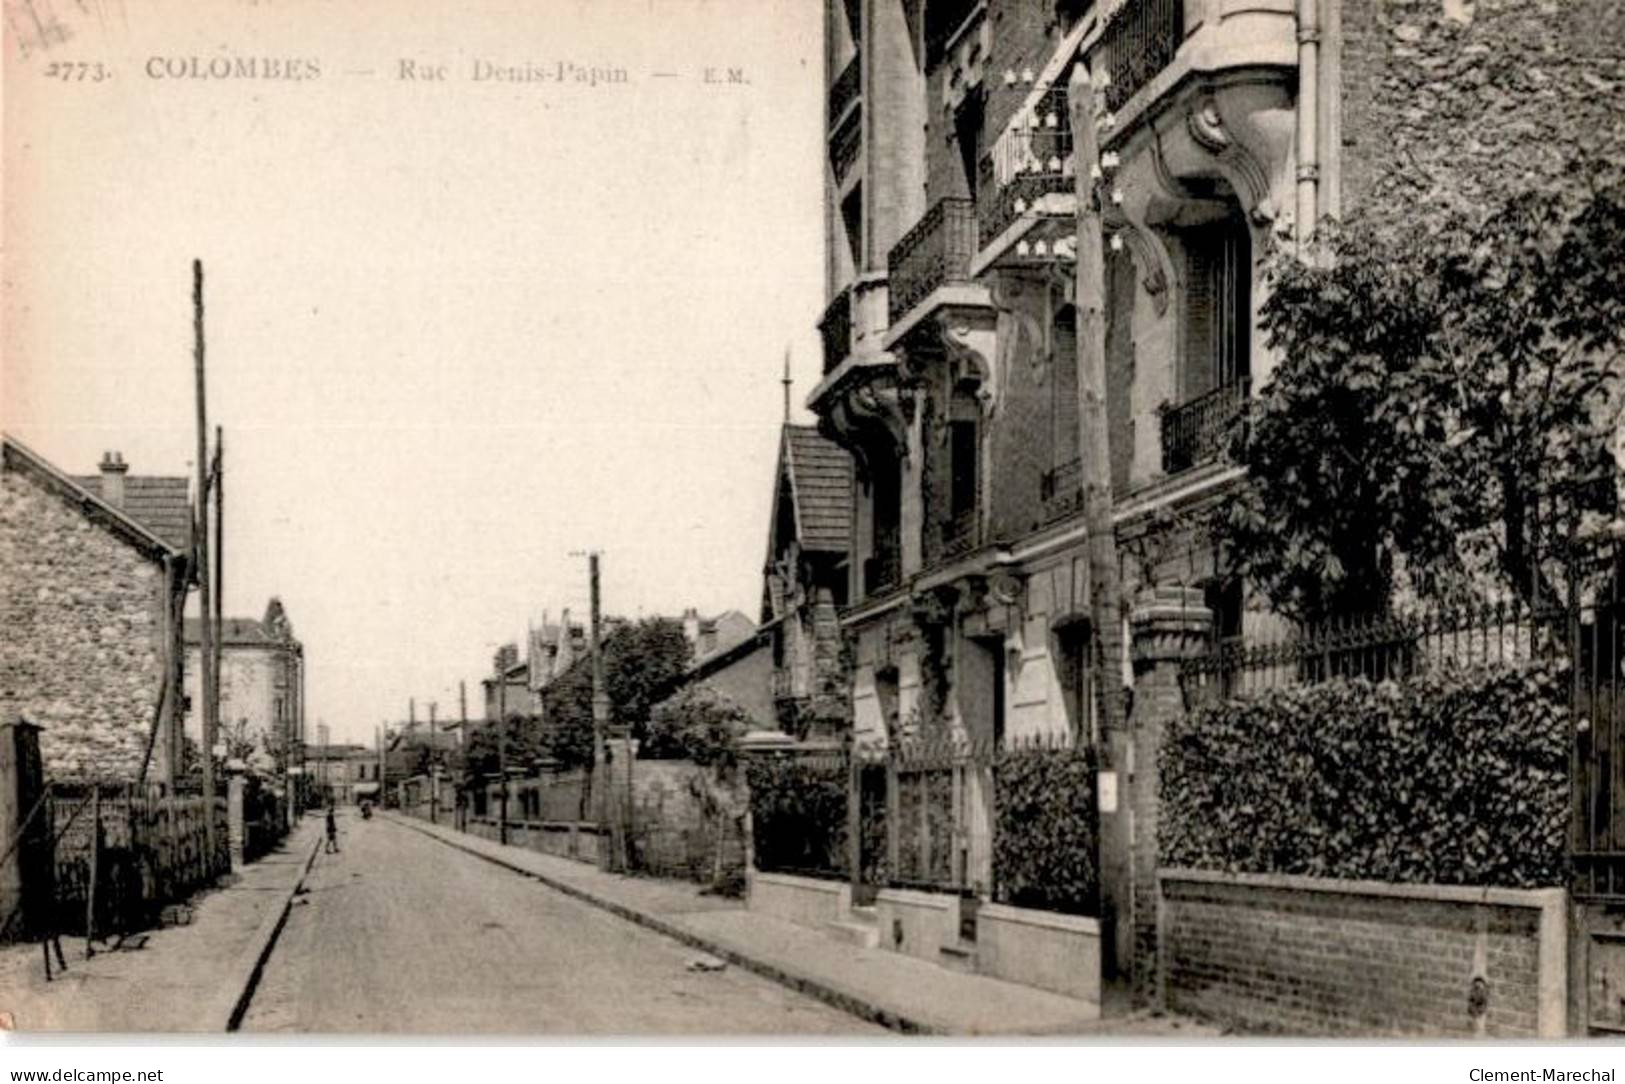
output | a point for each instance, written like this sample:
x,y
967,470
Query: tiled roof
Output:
x,y
821,486
235,630
160,504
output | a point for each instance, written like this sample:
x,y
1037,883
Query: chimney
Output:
x,y
113,470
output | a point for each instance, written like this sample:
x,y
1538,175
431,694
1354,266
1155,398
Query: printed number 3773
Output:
x,y
77,71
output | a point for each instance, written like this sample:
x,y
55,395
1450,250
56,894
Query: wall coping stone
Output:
x,y
1535,898
1048,920
913,897
790,880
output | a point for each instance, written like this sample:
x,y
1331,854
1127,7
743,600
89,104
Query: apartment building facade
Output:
x,y
950,353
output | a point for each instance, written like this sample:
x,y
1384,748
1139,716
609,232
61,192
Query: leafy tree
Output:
x,y
1440,408
482,758
642,659
698,724
641,662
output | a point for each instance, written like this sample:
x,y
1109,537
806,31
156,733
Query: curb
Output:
x,y
833,996
250,965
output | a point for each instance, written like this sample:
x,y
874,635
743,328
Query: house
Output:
x,y
344,773
508,690
713,635
806,581
262,684
93,579
412,748
950,333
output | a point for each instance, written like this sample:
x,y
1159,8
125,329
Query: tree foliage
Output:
x,y
642,659
1441,408
482,757
700,725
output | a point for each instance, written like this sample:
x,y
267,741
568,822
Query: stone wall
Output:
x,y
1316,957
1463,101
674,833
84,618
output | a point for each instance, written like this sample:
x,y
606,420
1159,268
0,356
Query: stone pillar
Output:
x,y
619,752
26,875
236,830
1168,626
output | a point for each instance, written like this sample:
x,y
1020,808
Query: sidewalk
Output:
x,y
889,988
176,979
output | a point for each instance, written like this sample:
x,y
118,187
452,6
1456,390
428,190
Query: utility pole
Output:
x,y
462,713
383,794
219,475
609,858
201,541
785,380
502,747
1105,590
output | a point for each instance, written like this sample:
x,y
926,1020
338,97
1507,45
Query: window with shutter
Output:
x,y
1218,307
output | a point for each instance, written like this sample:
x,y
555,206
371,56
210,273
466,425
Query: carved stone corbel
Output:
x,y
870,414
969,340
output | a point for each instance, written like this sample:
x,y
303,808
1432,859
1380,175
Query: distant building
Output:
x,y
344,773
713,635
805,582
262,684
93,579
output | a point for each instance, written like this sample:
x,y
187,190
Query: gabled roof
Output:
x,y
122,521
242,631
161,504
819,474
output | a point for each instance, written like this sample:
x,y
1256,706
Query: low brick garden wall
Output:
x,y
1312,956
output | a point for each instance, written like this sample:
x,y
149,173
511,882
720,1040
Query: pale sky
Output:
x,y
456,329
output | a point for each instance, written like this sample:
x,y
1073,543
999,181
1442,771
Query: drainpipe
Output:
x,y
1308,119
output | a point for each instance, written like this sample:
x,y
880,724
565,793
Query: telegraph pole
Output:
x,y
219,475
609,857
502,747
201,541
1105,592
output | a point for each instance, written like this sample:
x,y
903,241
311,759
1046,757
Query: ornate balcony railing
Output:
x,y
1030,160
1140,40
835,327
882,569
1194,432
937,250
845,144
960,533
843,91
1061,490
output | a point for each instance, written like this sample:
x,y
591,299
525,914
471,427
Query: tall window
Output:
x,y
1218,306
962,458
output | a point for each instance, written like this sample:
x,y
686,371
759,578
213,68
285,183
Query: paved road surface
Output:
x,y
400,933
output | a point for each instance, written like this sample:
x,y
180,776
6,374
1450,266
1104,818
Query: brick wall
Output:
x,y
1446,101
83,611
1316,957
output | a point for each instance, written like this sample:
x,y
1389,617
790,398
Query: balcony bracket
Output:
x,y
868,417
969,340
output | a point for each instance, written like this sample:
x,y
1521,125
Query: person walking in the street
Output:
x,y
332,832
